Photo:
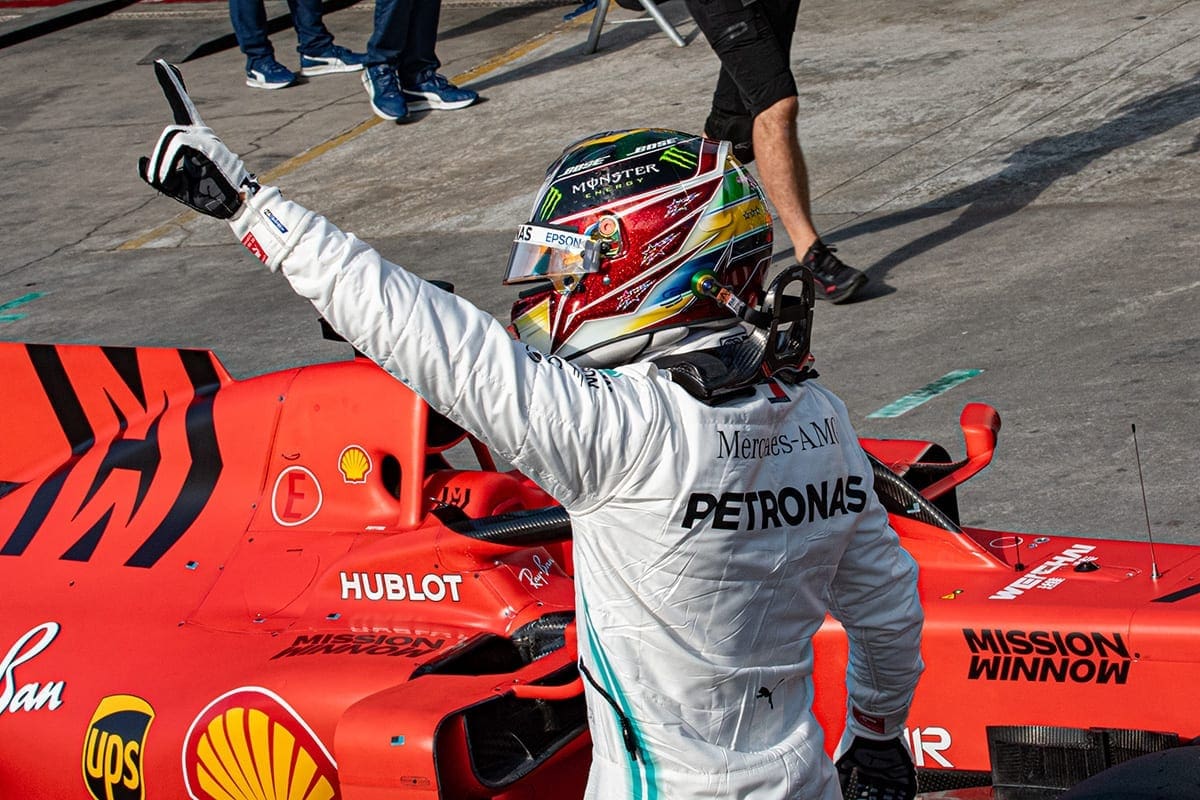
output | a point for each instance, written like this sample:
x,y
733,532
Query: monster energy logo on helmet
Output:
x,y
549,203
680,158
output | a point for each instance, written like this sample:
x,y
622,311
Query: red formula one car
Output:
x,y
280,587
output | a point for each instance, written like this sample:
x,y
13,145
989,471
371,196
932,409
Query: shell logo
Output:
x,y
249,744
355,464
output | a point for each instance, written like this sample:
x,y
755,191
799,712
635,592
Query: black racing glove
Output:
x,y
877,770
190,163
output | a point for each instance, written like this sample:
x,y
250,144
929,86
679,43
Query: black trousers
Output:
x,y
753,40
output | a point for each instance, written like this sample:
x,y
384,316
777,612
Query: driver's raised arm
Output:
x,y
557,422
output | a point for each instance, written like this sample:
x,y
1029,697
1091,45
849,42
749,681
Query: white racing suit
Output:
x,y
709,541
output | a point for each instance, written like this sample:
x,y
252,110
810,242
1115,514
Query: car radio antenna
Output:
x,y
1154,573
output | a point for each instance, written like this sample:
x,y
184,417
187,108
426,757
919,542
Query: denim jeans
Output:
x,y
249,19
405,37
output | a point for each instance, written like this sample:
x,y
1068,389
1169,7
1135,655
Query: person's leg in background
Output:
x,y
249,19
774,131
756,90
784,177
730,120
423,86
782,172
384,52
318,54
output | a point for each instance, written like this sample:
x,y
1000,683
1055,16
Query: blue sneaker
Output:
x,y
437,92
267,73
334,58
387,100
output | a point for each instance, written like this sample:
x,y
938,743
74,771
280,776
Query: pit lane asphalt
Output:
x,y
1019,179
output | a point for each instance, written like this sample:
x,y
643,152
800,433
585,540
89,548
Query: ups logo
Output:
x,y
112,749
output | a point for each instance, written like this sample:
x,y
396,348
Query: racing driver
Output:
x,y
662,392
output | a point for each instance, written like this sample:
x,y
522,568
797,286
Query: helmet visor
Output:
x,y
544,252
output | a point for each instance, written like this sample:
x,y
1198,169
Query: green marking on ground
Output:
x,y
20,301
924,394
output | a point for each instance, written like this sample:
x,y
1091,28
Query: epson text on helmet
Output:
x,y
570,241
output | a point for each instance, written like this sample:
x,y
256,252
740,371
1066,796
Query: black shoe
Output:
x,y
835,281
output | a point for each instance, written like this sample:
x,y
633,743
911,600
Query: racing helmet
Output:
x,y
629,232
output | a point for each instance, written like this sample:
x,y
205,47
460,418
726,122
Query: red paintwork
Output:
x,y
1016,635
164,544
